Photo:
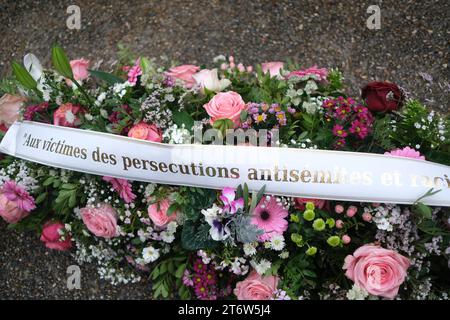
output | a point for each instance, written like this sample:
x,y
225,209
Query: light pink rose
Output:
x,y
158,213
52,238
100,220
9,109
379,271
66,115
274,68
255,287
15,202
225,105
80,68
184,73
145,131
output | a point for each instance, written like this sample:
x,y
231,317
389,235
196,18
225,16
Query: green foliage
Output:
x,y
245,231
23,76
61,62
196,237
167,276
109,78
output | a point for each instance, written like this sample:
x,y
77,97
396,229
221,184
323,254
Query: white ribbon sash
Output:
x,y
333,175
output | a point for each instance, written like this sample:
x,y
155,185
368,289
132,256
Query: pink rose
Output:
x,y
9,109
255,287
52,238
225,105
184,73
158,213
15,202
80,68
100,220
274,68
145,131
66,115
379,271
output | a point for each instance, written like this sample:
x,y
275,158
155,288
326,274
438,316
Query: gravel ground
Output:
x,y
413,39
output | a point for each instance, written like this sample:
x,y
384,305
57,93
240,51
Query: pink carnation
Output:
x,y
123,188
15,202
321,74
406,153
377,270
256,287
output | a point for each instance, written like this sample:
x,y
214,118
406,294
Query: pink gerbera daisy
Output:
x,y
122,187
406,153
269,216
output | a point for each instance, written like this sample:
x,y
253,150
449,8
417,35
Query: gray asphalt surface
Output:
x,y
413,43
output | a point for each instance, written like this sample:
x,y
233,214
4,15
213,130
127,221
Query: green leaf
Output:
x,y
422,210
245,195
180,270
109,78
23,76
61,62
183,118
48,181
173,207
41,197
196,238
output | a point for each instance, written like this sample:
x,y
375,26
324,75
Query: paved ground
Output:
x,y
413,39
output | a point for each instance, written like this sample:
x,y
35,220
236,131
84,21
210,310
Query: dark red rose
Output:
x,y
382,96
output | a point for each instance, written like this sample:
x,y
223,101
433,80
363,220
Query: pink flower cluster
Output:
x,y
203,281
33,110
320,74
350,119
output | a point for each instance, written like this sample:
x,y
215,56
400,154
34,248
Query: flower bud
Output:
x,y
309,215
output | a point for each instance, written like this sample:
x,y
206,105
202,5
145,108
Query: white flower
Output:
x,y
249,249
310,86
70,117
262,266
357,293
33,66
212,213
277,242
150,254
209,79
219,58
284,255
167,237
310,107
